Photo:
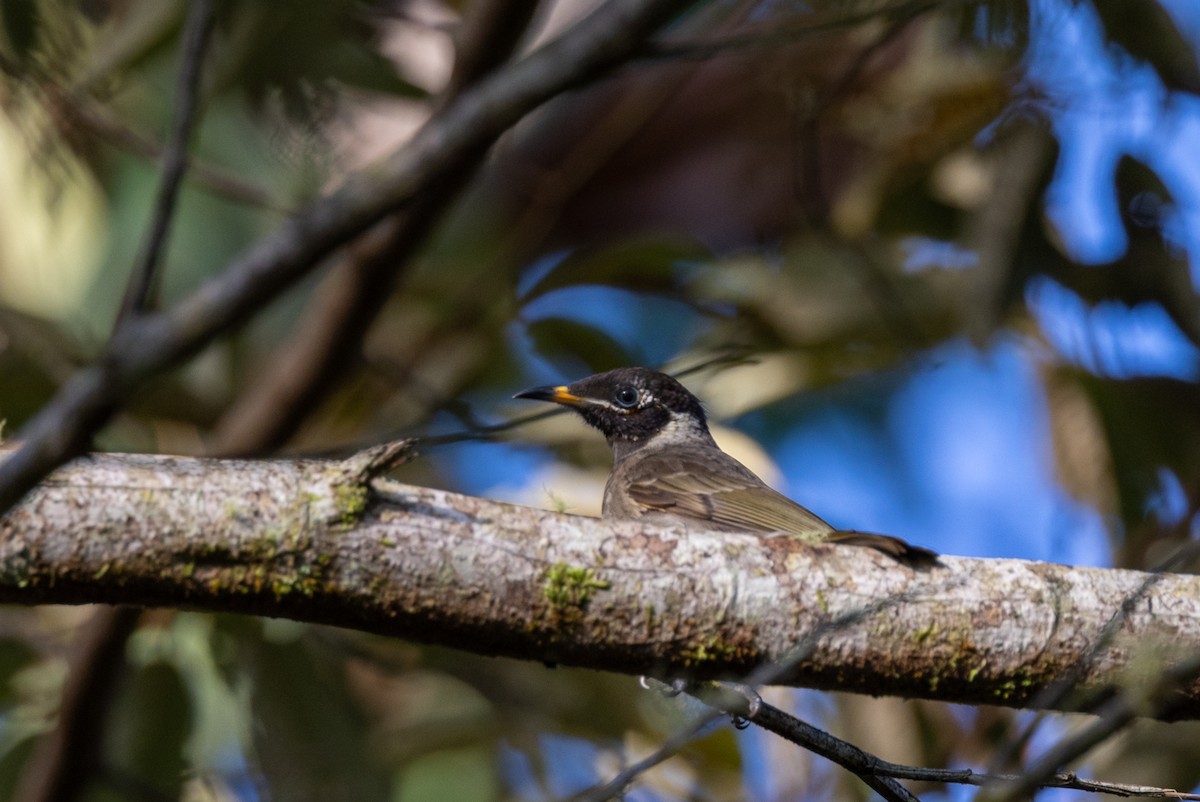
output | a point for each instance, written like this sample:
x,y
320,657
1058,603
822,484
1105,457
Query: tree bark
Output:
x,y
327,542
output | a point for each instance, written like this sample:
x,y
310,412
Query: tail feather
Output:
x,y
893,547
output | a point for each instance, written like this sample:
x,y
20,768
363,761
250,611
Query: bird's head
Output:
x,y
632,407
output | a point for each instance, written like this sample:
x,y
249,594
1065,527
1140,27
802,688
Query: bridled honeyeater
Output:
x,y
668,468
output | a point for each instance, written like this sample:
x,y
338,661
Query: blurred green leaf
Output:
x,y
912,209
14,656
311,738
464,775
645,265
29,389
567,342
298,53
138,33
1149,424
12,765
150,725
362,68
21,25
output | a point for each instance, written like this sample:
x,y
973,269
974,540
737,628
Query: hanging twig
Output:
x,y
143,281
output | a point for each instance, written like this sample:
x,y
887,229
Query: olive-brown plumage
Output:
x,y
667,467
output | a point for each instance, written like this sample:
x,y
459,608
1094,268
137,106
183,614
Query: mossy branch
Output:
x,y
325,541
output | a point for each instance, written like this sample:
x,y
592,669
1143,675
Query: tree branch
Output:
x,y
67,759
322,541
864,764
143,281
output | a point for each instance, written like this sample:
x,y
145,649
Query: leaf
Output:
x,y
912,209
462,774
302,53
1149,424
12,765
358,66
150,726
1148,33
14,656
311,738
645,265
132,37
21,25
566,342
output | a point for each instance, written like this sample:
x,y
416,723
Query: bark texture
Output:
x,y
323,541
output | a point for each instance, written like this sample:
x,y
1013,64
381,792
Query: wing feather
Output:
x,y
726,493
712,486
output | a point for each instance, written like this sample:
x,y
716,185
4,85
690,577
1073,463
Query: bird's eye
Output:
x,y
626,397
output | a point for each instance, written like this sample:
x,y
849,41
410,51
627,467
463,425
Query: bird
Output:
x,y
668,469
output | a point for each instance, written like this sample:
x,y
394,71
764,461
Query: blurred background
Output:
x,y
930,265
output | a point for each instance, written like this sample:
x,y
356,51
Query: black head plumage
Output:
x,y
629,405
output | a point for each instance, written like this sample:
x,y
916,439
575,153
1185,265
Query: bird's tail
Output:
x,y
893,547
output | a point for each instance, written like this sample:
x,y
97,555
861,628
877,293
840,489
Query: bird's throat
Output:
x,y
679,430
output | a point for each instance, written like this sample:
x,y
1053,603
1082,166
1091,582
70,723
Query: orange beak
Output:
x,y
559,395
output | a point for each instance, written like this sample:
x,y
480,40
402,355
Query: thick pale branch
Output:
x,y
320,541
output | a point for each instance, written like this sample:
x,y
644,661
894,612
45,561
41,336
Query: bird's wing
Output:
x,y
721,490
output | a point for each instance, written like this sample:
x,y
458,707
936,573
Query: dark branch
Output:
x,y
66,759
143,281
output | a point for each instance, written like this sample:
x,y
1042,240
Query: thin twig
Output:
x,y
143,282
857,761
862,763
620,782
1113,716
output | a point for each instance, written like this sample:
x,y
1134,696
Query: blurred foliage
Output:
x,y
1147,32
837,190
